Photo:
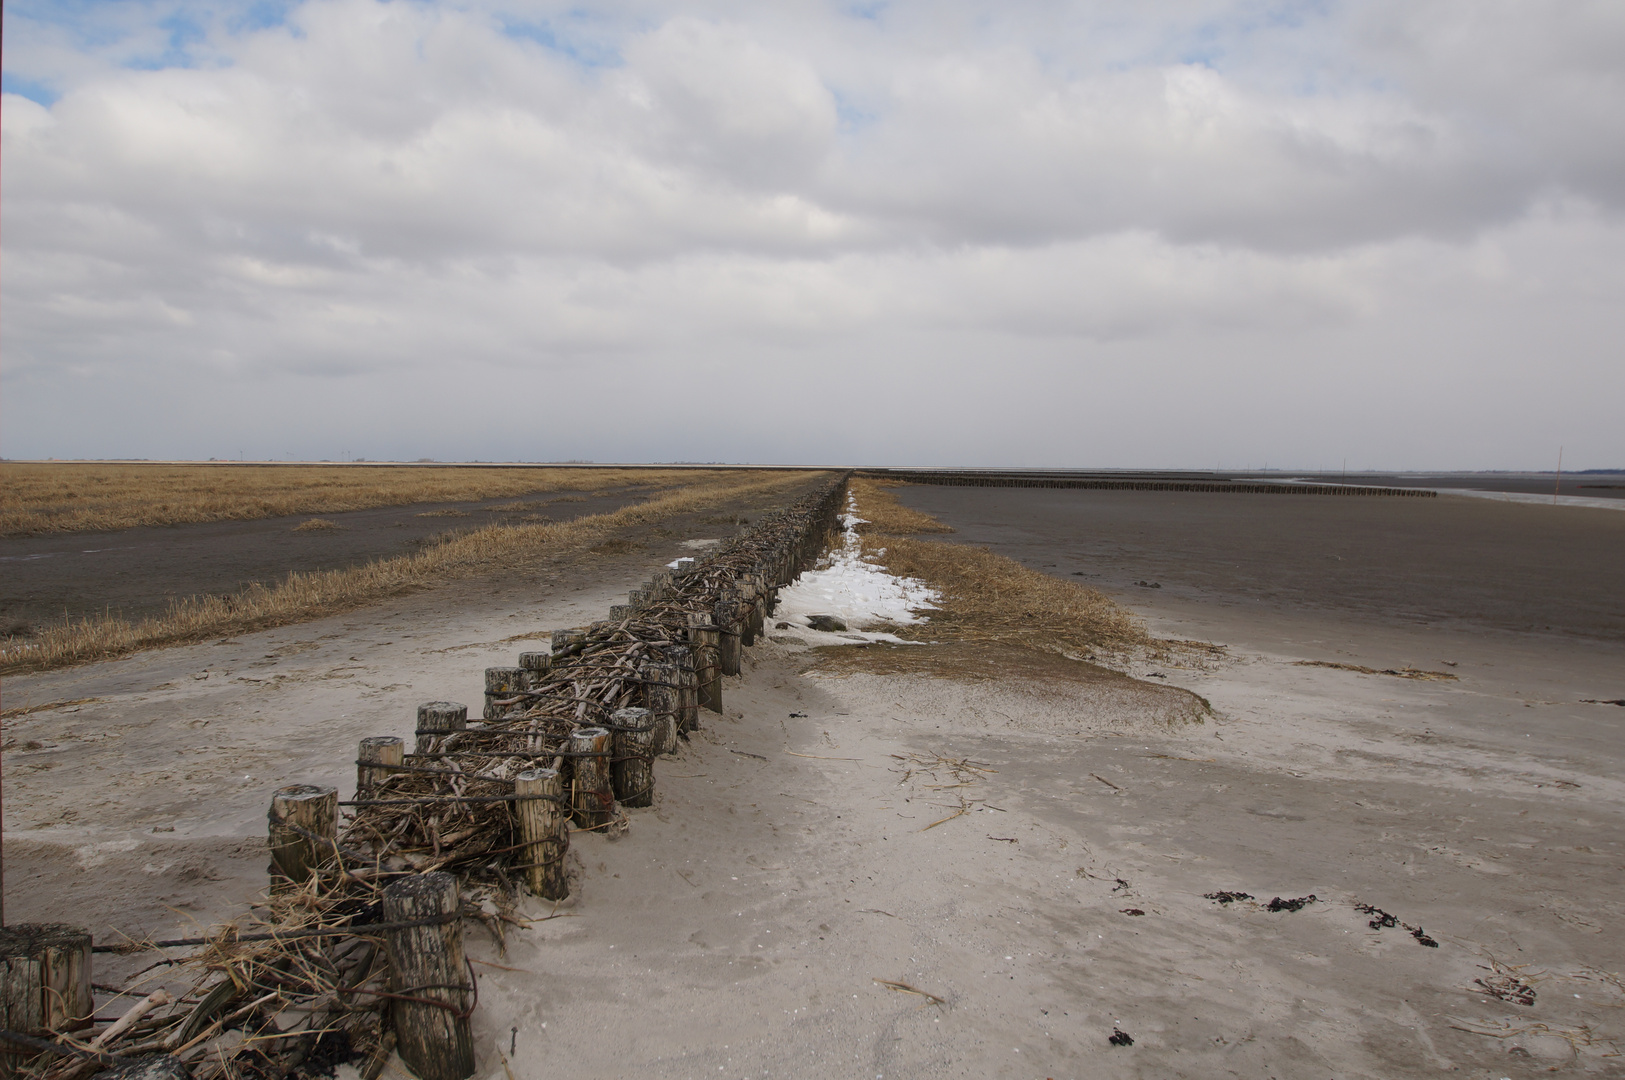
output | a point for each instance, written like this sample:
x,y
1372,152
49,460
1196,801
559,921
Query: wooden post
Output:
x,y
435,1041
44,984
436,720
660,697
632,770
298,813
726,614
541,827
567,639
688,693
748,608
593,797
376,750
536,665
501,683
619,613
704,636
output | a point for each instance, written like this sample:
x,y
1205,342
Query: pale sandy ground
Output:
x,y
737,929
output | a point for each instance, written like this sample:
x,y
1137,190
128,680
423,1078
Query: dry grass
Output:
x,y
49,497
999,620
884,515
316,525
987,597
300,597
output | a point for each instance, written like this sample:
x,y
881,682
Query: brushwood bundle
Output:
x,y
356,951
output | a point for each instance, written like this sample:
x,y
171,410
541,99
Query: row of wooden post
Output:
x,y
45,979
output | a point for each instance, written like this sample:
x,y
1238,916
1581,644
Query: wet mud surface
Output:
x,y
137,572
1445,561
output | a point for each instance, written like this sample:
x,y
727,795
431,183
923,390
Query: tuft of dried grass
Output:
x,y
884,515
303,596
999,620
51,497
988,597
315,525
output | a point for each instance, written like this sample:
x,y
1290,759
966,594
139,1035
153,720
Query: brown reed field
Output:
x,y
56,497
884,515
303,596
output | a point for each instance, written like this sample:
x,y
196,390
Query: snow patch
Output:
x,y
858,593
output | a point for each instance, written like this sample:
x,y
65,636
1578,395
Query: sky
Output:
x,y
1128,233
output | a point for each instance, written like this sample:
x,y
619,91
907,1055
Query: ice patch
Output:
x,y
858,593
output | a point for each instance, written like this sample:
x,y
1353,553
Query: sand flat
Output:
x,y
739,927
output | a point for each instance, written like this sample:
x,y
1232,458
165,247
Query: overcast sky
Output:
x,y
1163,233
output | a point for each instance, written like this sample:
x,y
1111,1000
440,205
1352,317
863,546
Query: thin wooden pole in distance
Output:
x,y
434,1035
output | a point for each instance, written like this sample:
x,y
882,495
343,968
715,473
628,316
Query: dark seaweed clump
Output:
x,y
1227,897
1296,904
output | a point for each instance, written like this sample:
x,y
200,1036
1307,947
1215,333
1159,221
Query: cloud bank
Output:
x,y
1190,233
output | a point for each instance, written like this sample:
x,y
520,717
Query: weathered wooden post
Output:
x,y
619,613
376,750
436,1041
660,697
536,666
541,827
44,985
502,683
726,614
704,636
749,610
303,827
688,690
564,640
632,771
593,796
436,720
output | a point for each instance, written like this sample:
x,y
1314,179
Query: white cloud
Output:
x,y
406,203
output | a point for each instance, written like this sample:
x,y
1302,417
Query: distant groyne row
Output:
x,y
1106,483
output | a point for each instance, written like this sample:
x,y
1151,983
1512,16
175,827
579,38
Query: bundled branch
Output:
x,y
357,950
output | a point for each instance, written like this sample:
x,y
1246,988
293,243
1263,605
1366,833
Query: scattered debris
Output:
x,y
1148,584
1119,1037
1105,781
829,624
1227,898
1383,920
905,988
1005,839
1131,911
1402,673
798,716
1603,701
1297,904
747,753
1507,987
